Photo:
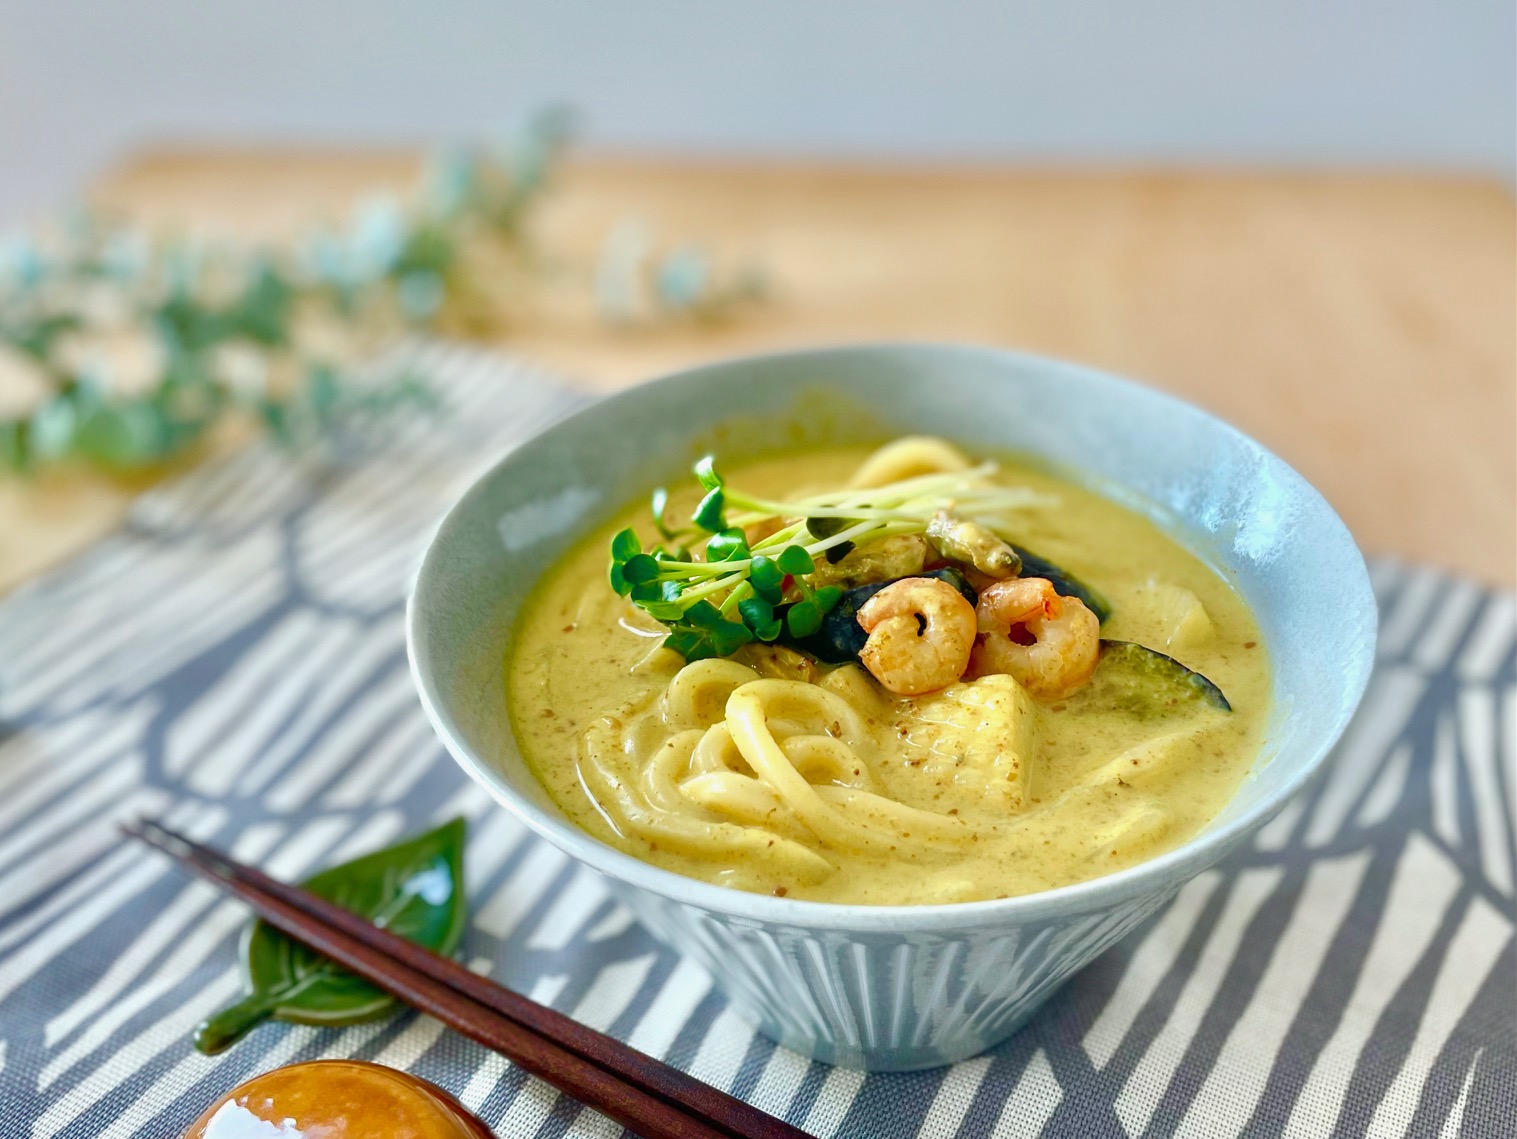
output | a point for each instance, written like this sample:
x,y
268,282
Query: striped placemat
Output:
x,y
233,660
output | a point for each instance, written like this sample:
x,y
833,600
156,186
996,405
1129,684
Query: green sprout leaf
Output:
x,y
728,546
730,637
706,633
692,644
640,569
720,640
625,545
705,471
711,515
766,578
619,580
803,619
665,611
757,613
659,503
704,615
795,561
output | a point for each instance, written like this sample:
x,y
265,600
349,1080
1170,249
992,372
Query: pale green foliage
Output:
x,y
142,344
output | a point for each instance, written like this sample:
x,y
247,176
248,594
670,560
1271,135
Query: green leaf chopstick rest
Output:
x,y
414,889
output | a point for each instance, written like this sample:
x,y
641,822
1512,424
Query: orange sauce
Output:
x,y
337,1099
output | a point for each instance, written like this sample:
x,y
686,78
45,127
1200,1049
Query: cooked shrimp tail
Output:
x,y
921,631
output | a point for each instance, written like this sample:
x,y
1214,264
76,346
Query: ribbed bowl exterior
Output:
x,y
888,1001
898,987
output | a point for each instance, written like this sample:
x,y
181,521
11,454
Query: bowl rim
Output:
x,y
1167,870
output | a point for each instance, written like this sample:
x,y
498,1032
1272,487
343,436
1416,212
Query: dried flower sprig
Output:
x,y
142,346
138,347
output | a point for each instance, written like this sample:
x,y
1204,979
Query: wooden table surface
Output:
x,y
1363,326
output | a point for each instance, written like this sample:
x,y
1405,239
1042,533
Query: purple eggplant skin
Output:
x,y
840,638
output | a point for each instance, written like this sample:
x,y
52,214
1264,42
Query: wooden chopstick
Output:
x,y
638,1091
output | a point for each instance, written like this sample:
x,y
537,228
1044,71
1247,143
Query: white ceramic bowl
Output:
x,y
899,987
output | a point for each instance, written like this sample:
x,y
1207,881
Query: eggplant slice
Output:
x,y
1146,683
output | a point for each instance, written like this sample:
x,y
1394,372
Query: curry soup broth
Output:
x,y
1097,788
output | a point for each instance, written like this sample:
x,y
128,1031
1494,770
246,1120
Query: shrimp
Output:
x,y
921,631
1049,643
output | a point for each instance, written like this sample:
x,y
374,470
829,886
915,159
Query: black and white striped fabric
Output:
x,y
233,661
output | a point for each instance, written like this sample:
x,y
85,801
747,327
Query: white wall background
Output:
x,y
1339,82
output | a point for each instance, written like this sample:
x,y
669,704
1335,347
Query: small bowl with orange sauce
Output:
x,y
337,1099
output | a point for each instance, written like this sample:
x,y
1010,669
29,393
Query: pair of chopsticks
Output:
x,y
644,1095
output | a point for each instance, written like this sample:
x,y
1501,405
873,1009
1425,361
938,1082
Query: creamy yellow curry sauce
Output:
x,y
748,771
